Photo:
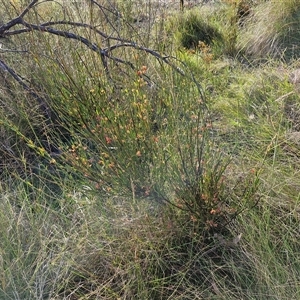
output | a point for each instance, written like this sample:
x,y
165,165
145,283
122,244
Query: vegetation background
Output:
x,y
149,152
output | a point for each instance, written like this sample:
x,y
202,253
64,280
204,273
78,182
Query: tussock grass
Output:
x,y
193,29
272,30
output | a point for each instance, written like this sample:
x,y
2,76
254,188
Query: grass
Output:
x,y
161,181
278,38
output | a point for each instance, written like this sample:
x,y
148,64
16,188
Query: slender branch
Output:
x,y
4,50
103,52
107,52
26,10
64,34
77,24
8,25
21,81
17,20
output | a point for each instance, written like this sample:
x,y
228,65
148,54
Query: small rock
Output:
x,y
295,77
294,137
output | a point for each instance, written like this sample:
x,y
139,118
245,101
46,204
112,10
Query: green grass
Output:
x,y
172,181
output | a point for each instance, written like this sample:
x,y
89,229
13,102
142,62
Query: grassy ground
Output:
x,y
165,181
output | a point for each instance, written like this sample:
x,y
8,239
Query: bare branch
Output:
x,y
106,54
8,25
65,34
17,20
102,52
77,24
21,81
26,10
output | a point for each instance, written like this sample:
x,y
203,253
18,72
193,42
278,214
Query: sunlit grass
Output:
x,y
272,30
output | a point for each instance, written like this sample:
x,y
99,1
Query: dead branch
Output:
x,y
41,101
106,53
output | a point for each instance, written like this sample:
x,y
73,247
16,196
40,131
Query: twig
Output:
x,y
21,81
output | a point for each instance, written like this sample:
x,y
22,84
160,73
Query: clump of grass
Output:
x,y
192,29
272,30
34,255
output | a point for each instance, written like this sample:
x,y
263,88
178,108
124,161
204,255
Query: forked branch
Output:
x,y
107,53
